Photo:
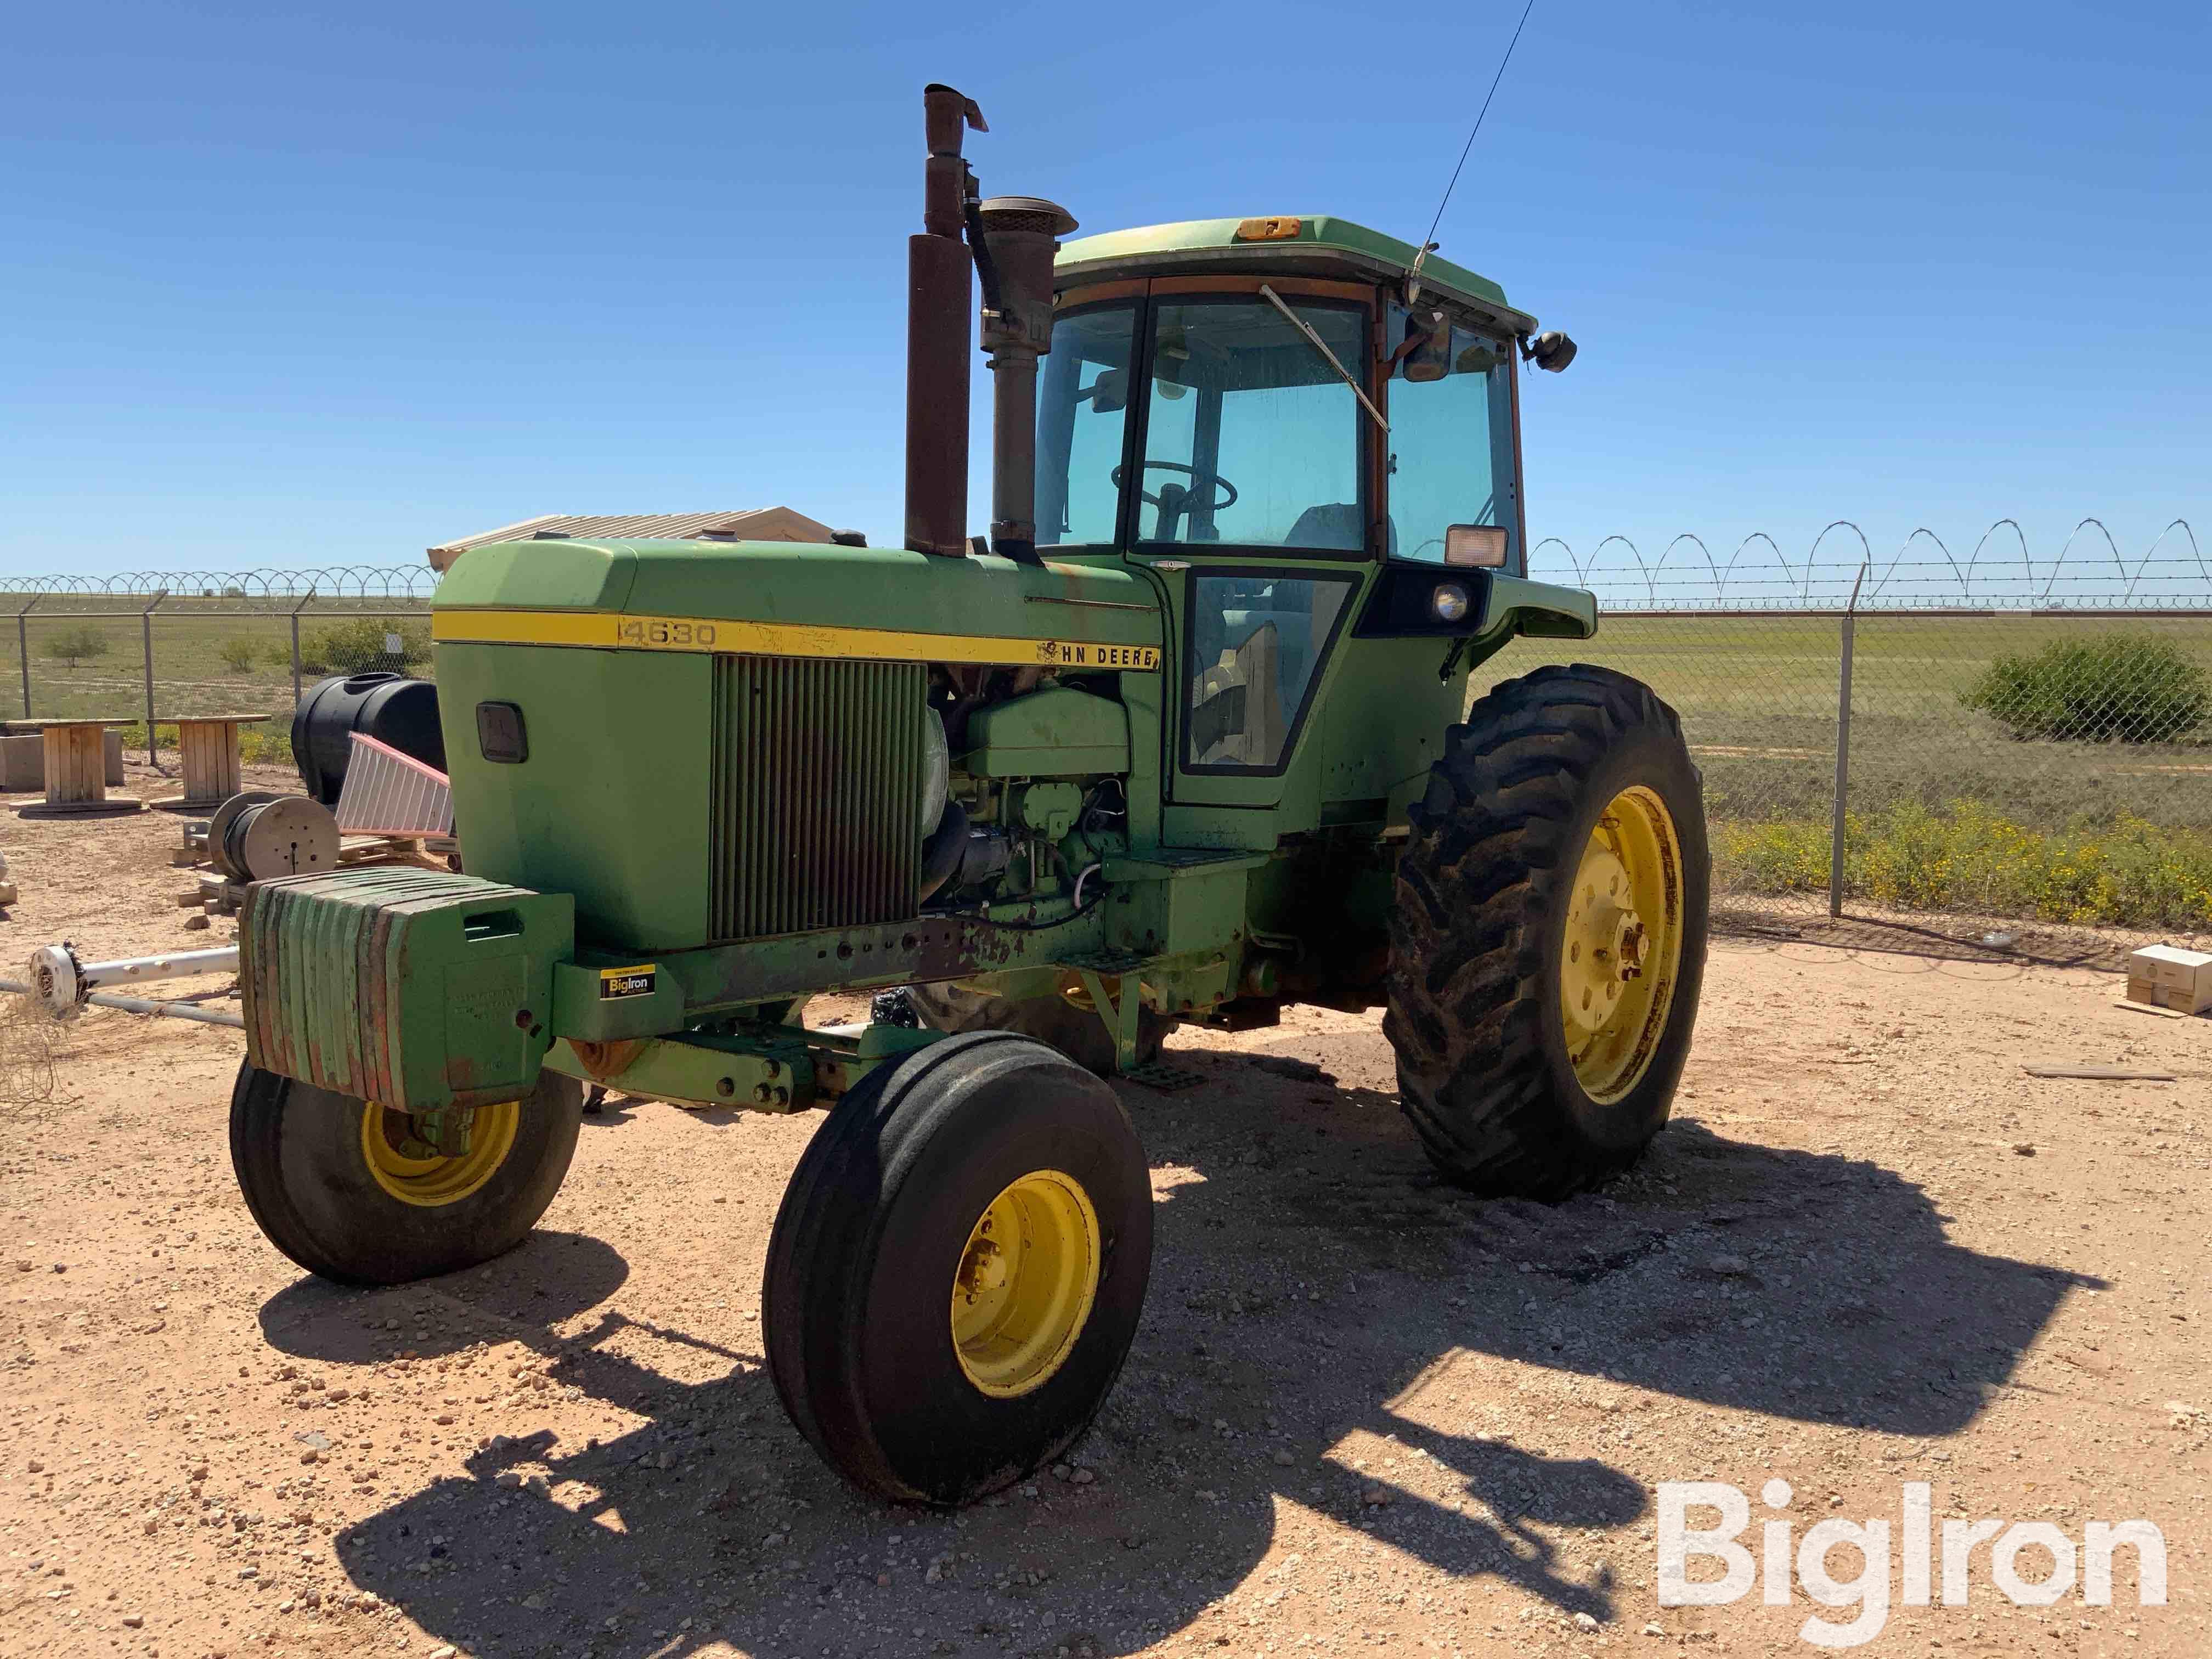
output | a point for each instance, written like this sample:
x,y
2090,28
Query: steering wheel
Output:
x,y
1213,483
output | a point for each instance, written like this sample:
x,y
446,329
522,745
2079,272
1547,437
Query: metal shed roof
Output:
x,y
753,524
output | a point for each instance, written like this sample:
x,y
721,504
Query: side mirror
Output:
x,y
1108,393
1428,347
1551,351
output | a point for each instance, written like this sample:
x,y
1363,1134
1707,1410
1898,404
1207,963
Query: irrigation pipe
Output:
x,y
146,1005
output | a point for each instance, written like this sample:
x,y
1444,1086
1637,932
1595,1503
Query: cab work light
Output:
x,y
1482,544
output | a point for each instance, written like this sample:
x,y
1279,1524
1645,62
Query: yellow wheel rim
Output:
x,y
416,1174
1622,951
1023,1288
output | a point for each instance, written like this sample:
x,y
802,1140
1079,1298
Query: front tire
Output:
x,y
957,1268
1549,939
338,1185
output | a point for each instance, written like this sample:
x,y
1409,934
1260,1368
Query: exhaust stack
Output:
x,y
939,295
1019,236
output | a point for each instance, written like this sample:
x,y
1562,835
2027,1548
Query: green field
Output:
x,y
208,657
1947,810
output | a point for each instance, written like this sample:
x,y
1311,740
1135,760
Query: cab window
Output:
x,y
1251,438
1082,411
1257,645
1451,438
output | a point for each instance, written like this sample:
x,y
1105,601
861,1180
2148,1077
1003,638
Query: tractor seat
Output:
x,y
1333,524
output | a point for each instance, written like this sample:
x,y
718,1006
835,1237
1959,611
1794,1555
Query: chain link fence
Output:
x,y
1872,743
1997,735
245,644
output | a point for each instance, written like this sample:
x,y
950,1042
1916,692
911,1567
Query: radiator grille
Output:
x,y
817,780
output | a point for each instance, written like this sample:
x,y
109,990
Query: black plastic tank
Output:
x,y
390,707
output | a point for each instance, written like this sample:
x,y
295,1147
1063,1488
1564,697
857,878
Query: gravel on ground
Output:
x,y
1366,1412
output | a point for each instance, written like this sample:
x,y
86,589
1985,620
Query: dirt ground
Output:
x,y
1364,1412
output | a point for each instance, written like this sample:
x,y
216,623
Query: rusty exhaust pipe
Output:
x,y
1020,236
939,297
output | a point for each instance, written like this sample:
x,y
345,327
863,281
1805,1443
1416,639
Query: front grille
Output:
x,y
817,794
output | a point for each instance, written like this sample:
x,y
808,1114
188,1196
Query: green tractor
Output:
x,y
1184,739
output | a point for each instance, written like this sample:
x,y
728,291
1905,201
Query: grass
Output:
x,y
270,744
1758,700
2127,874
1947,808
205,659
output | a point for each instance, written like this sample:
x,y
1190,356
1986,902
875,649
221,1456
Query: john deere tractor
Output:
x,y
1183,739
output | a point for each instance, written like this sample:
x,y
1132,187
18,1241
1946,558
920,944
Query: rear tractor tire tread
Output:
x,y
1508,809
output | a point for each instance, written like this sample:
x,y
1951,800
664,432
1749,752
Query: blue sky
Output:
x,y
286,288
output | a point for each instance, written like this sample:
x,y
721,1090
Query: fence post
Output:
x,y
296,609
1843,750
146,627
23,649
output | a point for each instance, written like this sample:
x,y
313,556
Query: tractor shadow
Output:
x,y
1329,1330
1790,1284
550,1278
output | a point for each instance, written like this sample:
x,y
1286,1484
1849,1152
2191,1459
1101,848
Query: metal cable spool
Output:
x,y
256,837
218,826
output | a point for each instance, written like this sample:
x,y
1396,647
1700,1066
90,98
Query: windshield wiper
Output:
x,y
1322,346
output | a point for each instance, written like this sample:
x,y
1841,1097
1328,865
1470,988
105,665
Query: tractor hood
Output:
x,y
786,598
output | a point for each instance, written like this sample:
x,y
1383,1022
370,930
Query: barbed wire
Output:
x,y
2001,573
333,581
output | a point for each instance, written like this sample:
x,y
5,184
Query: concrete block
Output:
x,y
23,761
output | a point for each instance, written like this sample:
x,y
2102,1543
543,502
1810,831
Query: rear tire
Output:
x,y
1567,794
924,1362
1055,1021
322,1192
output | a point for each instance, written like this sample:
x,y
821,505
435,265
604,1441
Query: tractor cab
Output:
x,y
1313,444
1263,386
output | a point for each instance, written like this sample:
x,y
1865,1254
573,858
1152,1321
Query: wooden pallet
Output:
x,y
220,895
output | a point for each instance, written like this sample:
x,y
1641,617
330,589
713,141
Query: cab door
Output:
x,y
1248,489
1254,641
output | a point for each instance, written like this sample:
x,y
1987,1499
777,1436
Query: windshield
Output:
x,y
1251,439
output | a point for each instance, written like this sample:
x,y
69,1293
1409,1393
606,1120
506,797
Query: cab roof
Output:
x,y
1319,245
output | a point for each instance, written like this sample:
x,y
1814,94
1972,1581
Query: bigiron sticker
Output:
x,y
625,982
